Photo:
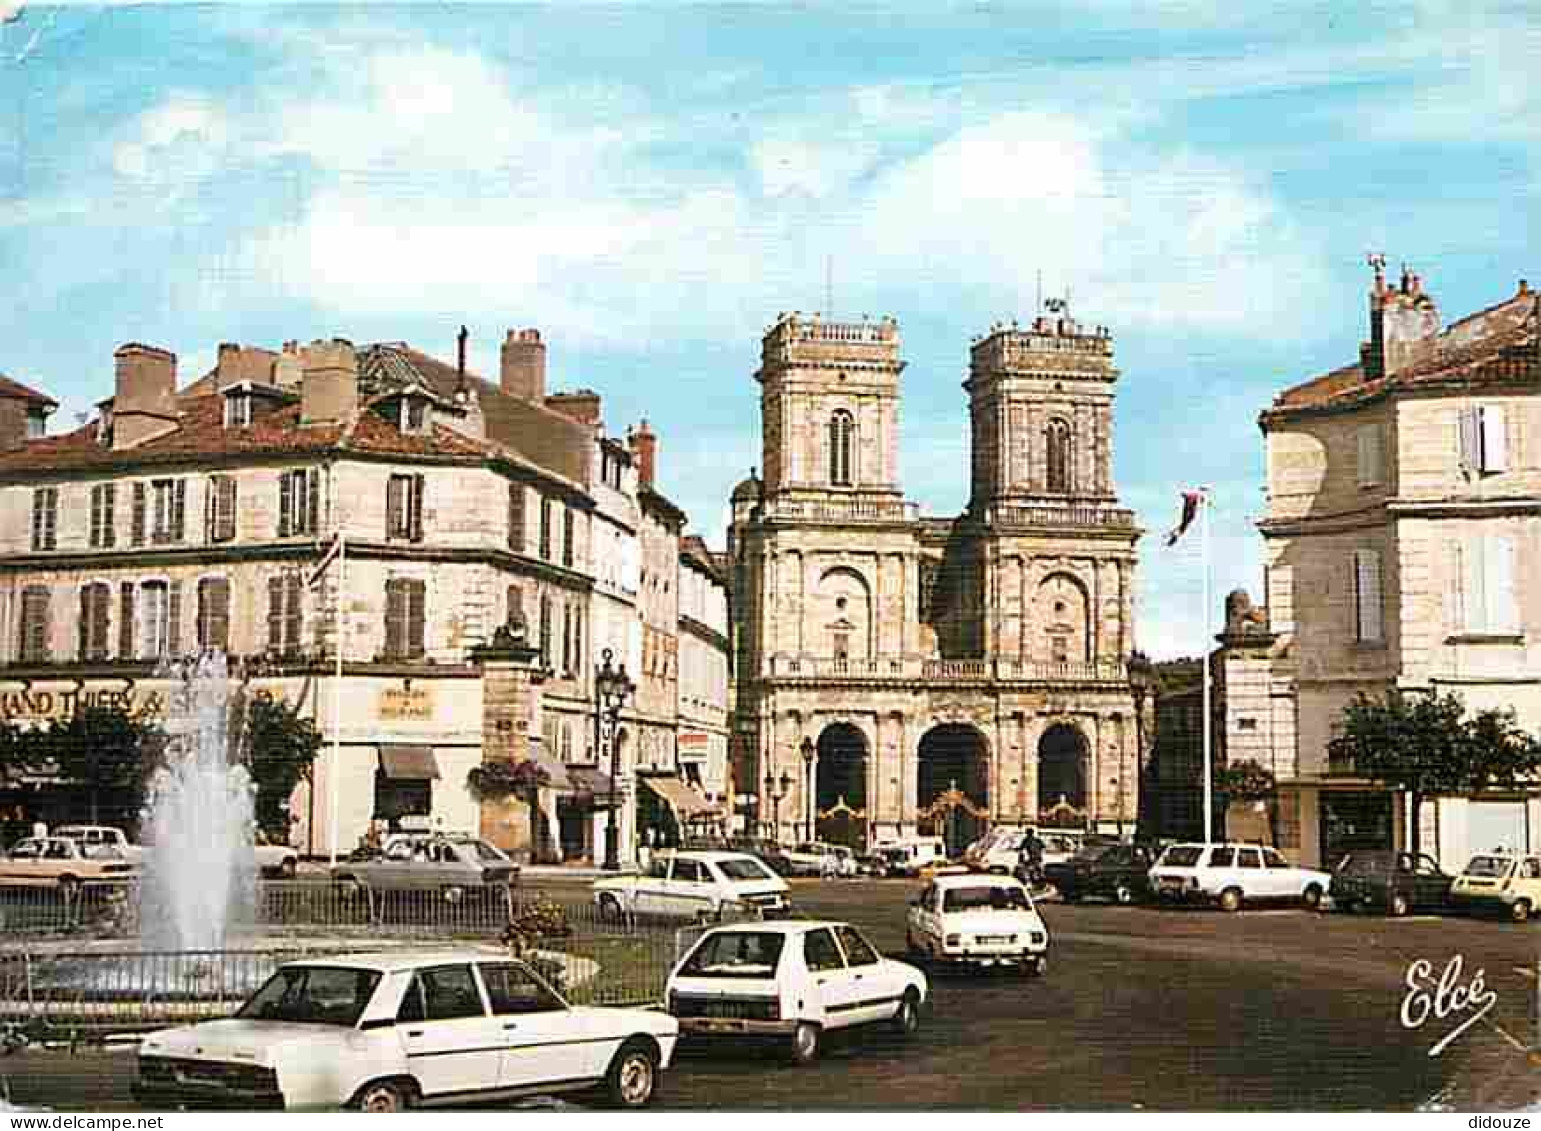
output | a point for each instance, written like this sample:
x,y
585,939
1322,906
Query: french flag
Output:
x,y
1191,501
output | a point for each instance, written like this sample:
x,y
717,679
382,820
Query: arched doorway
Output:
x,y
1062,758
953,786
840,786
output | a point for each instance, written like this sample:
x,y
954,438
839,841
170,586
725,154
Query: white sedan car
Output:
x,y
385,1032
693,885
792,980
978,919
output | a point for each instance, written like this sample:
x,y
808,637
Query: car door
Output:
x,y
1527,880
874,989
1255,882
1431,887
831,980
452,1044
1279,877
1218,870
544,1041
651,893
690,889
924,926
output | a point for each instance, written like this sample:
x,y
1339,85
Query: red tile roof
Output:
x,y
15,390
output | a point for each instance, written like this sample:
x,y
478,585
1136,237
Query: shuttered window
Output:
x,y
1056,444
545,528
33,646
1484,597
169,513
569,526
126,621
404,618
516,533
285,616
545,630
576,612
95,609
45,518
140,509
516,607
1484,439
567,638
1367,596
160,619
404,508
219,508
1372,472
841,429
299,502
214,614
104,500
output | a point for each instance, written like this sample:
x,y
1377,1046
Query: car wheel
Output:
x,y
805,1043
1312,897
385,1096
1520,911
906,1019
1230,899
633,1075
1396,906
1123,893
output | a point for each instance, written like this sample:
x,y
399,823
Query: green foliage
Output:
x,y
498,781
281,749
1245,780
102,755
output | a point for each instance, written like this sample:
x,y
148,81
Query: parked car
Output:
x,y
1396,882
872,864
845,862
978,919
1232,874
58,862
385,1032
1500,881
810,859
693,885
1118,872
794,981
907,857
102,840
455,866
275,859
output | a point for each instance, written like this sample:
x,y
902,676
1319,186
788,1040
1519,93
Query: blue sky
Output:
x,y
650,184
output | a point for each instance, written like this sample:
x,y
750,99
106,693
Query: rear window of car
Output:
x,y
736,954
1358,863
986,897
744,870
1488,866
1182,855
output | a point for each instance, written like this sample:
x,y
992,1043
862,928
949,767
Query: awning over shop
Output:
x,y
408,763
589,781
558,775
688,805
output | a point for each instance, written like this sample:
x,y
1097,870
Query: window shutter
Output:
x,y
224,508
53,517
568,532
545,527
126,619
211,509
1370,474
417,592
275,614
578,641
1455,590
515,604
293,613
312,501
395,614
285,505
1495,446
1368,594
140,506
109,514
1498,584
96,516
174,619
394,504
83,630
1474,587
416,530
1471,439
516,517
99,626
178,509
34,624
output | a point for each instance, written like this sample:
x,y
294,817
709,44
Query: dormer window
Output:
x,y
37,425
238,410
414,414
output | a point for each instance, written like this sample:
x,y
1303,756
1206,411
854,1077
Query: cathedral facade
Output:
x,y
898,674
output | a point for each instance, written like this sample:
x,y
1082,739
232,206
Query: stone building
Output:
x,y
899,673
1401,541
704,678
183,519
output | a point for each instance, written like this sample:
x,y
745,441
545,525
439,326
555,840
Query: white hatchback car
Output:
x,y
693,885
978,919
792,980
384,1032
1232,874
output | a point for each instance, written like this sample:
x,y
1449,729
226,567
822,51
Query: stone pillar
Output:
x,y
511,726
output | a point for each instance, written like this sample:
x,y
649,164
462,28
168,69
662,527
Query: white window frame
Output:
x,y
1369,582
1486,602
1484,439
1371,455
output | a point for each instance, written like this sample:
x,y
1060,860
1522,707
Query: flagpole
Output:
x,y
335,776
1209,801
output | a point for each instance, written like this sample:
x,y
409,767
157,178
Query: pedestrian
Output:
x,y
39,828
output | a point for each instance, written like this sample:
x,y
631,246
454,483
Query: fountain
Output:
x,y
199,873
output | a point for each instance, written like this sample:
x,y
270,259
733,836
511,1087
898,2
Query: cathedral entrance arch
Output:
x,y
1062,768
953,786
840,786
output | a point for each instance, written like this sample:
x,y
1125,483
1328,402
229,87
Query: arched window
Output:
x,y
1056,443
841,428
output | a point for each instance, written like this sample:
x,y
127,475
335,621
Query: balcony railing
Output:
x,y
948,671
842,510
1082,517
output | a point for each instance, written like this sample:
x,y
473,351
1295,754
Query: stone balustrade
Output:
x,y
948,671
842,510
1077,516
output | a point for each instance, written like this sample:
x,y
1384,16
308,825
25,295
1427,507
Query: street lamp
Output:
x,y
775,795
807,749
1142,680
612,687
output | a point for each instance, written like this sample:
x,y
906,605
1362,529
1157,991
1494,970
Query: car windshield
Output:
x,y
1358,863
1488,866
313,995
736,954
743,869
1182,855
986,897
894,853
485,852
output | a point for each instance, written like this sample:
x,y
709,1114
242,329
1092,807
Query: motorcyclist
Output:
x,y
1030,860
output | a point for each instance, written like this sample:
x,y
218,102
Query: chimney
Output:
x,y
329,382
1404,326
582,406
644,449
144,403
239,363
523,370
287,373
460,353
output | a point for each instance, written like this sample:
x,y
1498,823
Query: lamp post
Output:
x,y
612,687
776,794
1142,680
808,751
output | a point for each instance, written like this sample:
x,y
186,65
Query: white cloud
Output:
x,y
184,135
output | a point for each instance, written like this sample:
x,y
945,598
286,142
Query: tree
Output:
x,y
498,781
282,748
103,755
1425,746
1244,780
